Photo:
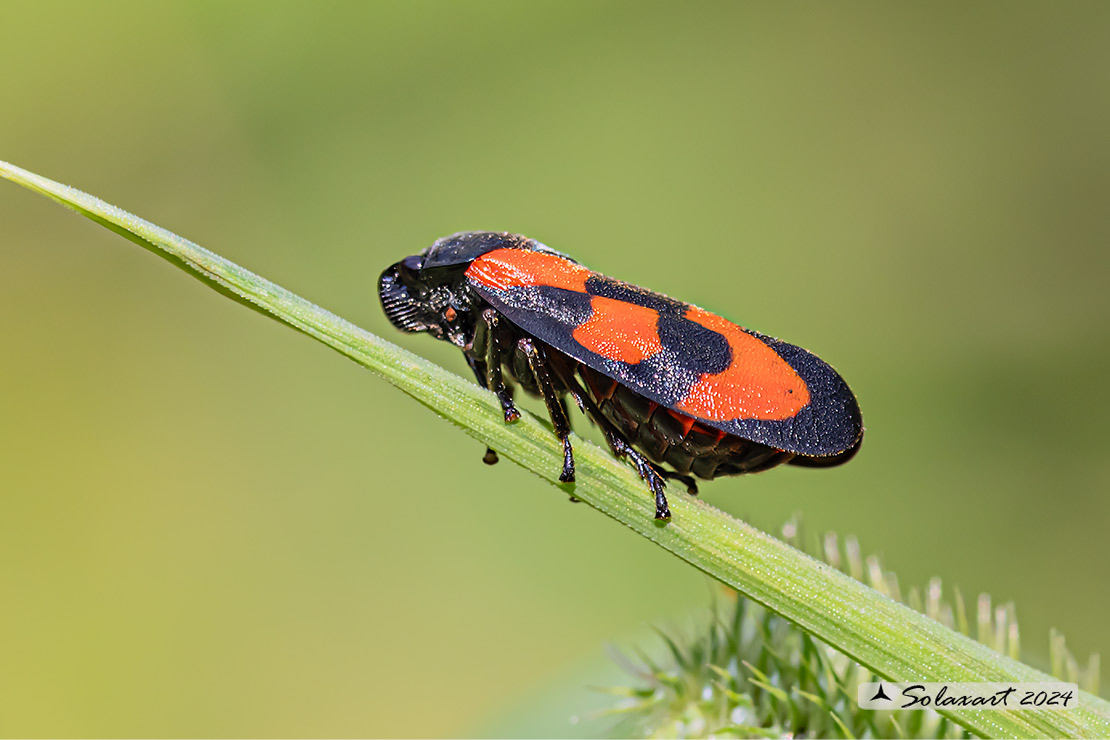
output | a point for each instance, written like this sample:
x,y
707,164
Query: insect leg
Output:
x,y
487,332
647,471
537,363
686,480
622,448
479,368
566,412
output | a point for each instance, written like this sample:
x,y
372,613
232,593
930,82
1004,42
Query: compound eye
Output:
x,y
411,265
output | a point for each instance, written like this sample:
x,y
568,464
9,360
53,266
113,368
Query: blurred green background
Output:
x,y
210,525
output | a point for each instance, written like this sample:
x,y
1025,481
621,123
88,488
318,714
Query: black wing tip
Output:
x,y
828,461
829,431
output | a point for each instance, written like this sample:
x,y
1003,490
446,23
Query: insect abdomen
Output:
x,y
668,436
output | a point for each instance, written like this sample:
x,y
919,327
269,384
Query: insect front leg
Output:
x,y
479,369
488,370
486,345
537,363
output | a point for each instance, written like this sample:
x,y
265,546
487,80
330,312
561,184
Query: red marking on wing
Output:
x,y
620,331
757,385
503,269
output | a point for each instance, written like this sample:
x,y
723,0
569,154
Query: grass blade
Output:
x,y
889,638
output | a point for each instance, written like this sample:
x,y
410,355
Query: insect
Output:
x,y
676,390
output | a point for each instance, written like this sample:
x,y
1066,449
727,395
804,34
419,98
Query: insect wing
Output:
x,y
678,355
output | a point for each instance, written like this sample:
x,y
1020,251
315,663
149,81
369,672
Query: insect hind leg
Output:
x,y
686,480
622,448
648,473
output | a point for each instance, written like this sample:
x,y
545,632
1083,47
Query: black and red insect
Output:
x,y
668,383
